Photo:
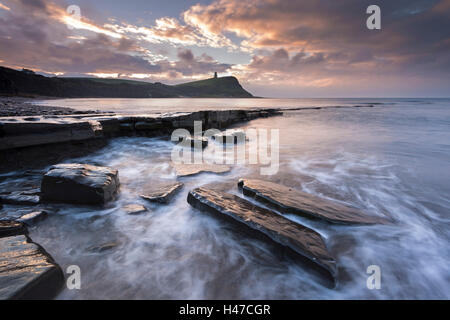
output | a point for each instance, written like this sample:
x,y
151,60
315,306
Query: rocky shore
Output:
x,y
16,106
27,271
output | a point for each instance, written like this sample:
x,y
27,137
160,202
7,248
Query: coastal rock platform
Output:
x,y
301,240
289,200
19,132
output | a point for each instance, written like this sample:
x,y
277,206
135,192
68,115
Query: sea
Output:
x,y
387,157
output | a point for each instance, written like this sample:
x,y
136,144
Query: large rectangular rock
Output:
x,y
301,240
79,183
27,271
28,133
289,200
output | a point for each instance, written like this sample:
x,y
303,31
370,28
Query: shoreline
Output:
x,y
21,107
33,141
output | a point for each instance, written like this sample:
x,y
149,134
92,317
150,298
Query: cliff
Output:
x,y
27,83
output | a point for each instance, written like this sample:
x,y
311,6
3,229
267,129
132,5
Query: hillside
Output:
x,y
215,87
26,83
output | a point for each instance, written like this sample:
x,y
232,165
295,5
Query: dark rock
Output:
x,y
289,200
29,133
18,132
11,228
147,125
29,197
184,170
80,183
300,239
33,217
134,209
163,193
127,127
27,271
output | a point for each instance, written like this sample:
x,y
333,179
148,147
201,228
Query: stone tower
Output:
x,y
215,75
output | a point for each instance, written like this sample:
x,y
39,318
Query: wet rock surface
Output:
x,y
11,228
21,131
300,239
14,106
27,271
162,193
79,184
27,197
33,217
184,170
289,200
134,209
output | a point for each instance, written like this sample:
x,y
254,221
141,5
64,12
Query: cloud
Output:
x,y
53,48
410,29
326,44
268,44
2,6
172,31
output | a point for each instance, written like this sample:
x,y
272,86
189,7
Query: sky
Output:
x,y
276,48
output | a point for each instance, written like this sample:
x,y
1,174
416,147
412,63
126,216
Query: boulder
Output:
x,y
27,271
184,170
80,184
11,228
163,193
289,200
134,209
301,240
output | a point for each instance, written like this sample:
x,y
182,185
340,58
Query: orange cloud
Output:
x,y
2,6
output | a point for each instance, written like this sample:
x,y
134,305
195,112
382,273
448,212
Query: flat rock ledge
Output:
x,y
303,241
289,200
163,194
79,184
27,271
134,209
184,170
27,197
19,132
